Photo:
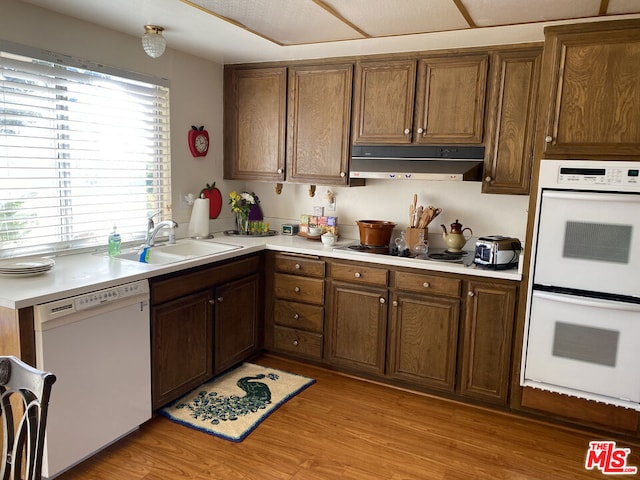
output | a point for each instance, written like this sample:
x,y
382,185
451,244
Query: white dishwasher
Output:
x,y
98,346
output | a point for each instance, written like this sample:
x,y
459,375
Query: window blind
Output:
x,y
80,151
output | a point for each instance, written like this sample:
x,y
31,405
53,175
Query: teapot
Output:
x,y
455,240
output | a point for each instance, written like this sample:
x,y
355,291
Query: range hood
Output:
x,y
417,162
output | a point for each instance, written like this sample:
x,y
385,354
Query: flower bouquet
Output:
x,y
241,205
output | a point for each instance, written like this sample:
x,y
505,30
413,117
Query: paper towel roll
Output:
x,y
199,224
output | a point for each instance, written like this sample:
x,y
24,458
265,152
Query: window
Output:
x,y
81,150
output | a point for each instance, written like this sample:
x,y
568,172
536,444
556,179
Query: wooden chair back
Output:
x,y
24,401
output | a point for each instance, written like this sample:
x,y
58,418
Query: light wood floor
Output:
x,y
346,429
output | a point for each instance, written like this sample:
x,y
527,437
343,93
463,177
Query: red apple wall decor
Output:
x,y
198,141
215,199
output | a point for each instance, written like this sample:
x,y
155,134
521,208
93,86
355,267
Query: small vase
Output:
x,y
242,220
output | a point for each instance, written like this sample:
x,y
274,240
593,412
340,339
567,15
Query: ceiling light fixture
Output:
x,y
152,41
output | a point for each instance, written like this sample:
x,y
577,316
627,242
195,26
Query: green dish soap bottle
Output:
x,y
114,243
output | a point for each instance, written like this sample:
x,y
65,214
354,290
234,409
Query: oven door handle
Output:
x,y
591,196
587,302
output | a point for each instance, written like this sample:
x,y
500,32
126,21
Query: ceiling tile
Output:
x,y
400,17
487,13
619,7
283,21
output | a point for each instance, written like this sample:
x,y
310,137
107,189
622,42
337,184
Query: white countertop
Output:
x,y
86,272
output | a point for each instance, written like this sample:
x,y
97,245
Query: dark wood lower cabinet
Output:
x,y
486,346
182,346
203,321
423,338
358,328
236,322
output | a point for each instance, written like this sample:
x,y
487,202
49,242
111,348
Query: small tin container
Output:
x,y
290,229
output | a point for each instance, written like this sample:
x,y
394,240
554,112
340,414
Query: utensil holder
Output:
x,y
413,236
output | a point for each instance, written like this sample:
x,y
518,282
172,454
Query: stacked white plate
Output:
x,y
27,266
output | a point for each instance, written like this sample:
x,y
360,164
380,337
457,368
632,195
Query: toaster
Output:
x,y
497,252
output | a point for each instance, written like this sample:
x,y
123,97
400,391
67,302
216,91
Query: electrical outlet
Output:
x,y
331,207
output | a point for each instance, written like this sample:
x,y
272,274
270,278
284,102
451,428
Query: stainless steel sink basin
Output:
x,y
183,249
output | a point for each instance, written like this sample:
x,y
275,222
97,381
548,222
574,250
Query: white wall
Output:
x,y
197,98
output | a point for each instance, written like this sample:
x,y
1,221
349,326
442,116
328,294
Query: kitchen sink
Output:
x,y
183,249
195,248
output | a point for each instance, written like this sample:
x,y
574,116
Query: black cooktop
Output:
x,y
435,254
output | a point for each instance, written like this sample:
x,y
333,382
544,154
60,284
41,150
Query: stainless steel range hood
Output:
x,y
417,162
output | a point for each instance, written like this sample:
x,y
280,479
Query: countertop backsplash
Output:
x,y
485,214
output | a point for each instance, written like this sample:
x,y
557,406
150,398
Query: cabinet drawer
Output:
x,y
426,283
298,315
299,289
297,342
360,274
295,265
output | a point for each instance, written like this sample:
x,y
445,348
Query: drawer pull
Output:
x,y
358,275
296,289
426,284
295,343
296,316
298,267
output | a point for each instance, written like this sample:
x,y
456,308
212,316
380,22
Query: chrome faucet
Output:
x,y
170,224
150,226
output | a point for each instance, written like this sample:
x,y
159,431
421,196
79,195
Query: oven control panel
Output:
x,y
599,175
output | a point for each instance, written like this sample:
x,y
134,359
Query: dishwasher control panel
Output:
x,y
68,306
101,297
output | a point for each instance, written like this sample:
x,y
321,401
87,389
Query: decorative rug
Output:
x,y
233,404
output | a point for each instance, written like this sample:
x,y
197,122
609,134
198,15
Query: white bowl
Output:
x,y
315,231
328,239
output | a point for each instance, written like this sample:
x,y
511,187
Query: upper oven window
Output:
x,y
597,241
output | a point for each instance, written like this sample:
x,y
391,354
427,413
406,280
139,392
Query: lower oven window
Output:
x,y
586,344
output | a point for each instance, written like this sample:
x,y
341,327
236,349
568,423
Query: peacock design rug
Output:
x,y
233,404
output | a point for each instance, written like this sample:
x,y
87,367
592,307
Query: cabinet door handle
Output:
x,y
395,303
343,174
296,289
296,316
220,299
471,294
407,131
279,170
548,139
420,130
426,284
382,300
488,179
357,275
212,302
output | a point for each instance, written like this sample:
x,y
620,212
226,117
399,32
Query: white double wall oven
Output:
x,y
582,332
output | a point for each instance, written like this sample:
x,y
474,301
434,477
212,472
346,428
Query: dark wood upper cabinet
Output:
x,y
384,100
450,98
255,115
430,100
591,90
318,124
511,119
